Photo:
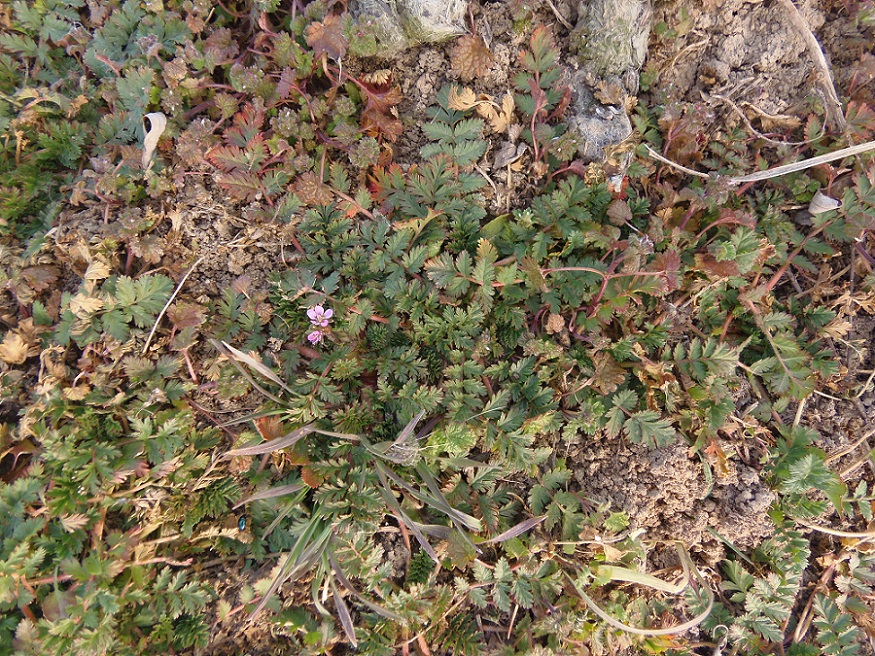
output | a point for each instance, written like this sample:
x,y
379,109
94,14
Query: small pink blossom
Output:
x,y
319,316
315,337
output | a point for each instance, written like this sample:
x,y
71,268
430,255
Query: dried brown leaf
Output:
x,y
715,269
470,57
326,37
13,349
608,374
380,77
555,323
312,191
462,99
83,306
40,277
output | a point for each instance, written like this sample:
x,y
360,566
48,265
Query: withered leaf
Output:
x,y
608,374
714,268
311,190
83,306
149,248
462,99
96,271
13,349
71,523
378,78
40,277
470,57
555,323
618,212
670,263
326,37
508,154
186,315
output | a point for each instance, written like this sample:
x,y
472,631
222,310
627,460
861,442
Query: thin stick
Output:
x,y
834,113
169,301
805,164
679,167
777,170
735,108
561,18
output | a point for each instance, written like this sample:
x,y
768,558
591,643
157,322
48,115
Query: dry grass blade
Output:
x,y
514,531
689,568
272,493
256,365
392,502
863,535
272,445
440,502
303,554
344,615
351,589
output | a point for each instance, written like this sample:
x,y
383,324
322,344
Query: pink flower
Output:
x,y
319,316
315,337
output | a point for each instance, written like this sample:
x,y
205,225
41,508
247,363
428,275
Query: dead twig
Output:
x,y
560,17
738,111
169,301
776,171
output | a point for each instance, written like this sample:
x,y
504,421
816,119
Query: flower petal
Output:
x,y
315,337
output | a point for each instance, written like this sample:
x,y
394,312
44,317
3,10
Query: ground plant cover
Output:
x,y
306,350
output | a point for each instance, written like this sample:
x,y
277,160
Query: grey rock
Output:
x,y
403,24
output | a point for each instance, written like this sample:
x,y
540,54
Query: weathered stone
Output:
x,y
612,35
405,23
612,38
597,126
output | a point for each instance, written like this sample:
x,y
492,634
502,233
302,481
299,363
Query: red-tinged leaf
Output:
x,y
861,120
233,158
270,428
538,96
376,124
241,185
248,122
718,457
326,37
670,263
578,168
186,315
470,57
286,84
715,269
310,478
559,111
